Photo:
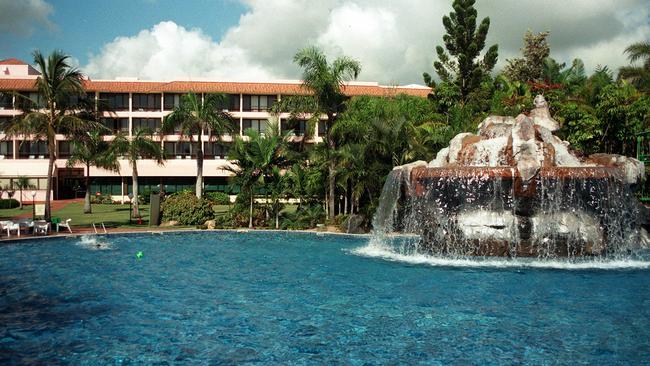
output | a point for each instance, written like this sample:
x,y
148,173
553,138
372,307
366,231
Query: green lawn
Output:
x,y
112,215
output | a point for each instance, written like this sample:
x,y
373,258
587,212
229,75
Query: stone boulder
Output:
x,y
541,115
354,224
633,169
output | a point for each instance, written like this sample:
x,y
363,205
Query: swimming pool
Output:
x,y
287,298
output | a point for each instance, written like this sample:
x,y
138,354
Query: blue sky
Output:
x,y
79,27
256,39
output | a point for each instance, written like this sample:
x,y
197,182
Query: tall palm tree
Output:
x,y
56,86
325,81
639,76
193,117
90,149
139,146
22,183
255,160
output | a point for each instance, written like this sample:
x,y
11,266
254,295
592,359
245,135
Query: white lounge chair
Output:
x,y
41,227
65,224
11,226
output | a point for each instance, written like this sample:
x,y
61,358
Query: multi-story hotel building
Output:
x,y
135,104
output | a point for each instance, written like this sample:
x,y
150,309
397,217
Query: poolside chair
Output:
x,y
41,227
65,224
11,226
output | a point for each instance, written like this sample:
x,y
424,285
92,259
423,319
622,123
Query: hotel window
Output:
x,y
32,150
178,150
80,100
297,126
6,101
29,101
3,122
65,149
6,149
322,128
115,101
116,125
146,102
150,123
259,102
231,103
258,125
171,101
215,150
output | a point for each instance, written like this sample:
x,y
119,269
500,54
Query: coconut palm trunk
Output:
x,y
135,205
50,173
87,207
199,167
331,176
250,210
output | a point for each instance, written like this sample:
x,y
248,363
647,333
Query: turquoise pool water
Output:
x,y
282,298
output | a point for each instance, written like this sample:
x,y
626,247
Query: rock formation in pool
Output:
x,y
515,189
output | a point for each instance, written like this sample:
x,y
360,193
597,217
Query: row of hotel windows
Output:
x,y
116,125
144,102
173,150
114,185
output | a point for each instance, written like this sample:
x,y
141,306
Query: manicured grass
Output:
x,y
8,213
112,215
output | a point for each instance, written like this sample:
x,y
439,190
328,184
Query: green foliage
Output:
x,y
639,76
464,43
580,127
101,199
305,217
530,67
185,208
8,203
218,198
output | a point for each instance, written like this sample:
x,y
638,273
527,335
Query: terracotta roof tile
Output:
x,y
110,86
12,61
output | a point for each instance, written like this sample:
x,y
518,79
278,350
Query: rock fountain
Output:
x,y
514,189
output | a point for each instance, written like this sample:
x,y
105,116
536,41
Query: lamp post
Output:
x,y
33,193
130,203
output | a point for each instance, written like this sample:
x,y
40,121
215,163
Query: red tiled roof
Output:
x,y
12,61
217,87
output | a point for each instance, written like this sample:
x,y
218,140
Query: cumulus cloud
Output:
x,y
394,41
169,51
23,17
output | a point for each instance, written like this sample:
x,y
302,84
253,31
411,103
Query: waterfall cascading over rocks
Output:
x,y
513,189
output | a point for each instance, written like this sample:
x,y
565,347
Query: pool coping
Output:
x,y
28,239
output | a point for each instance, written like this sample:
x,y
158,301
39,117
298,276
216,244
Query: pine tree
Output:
x,y
464,43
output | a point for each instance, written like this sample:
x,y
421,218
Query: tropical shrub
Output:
x,y
218,198
185,208
305,217
9,203
101,199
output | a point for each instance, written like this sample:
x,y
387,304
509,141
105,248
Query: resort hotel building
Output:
x,y
135,104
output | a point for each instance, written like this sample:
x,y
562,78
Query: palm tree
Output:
x,y
639,76
22,183
139,146
325,81
193,117
56,85
255,160
90,149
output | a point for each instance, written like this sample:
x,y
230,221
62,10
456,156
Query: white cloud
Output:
x,y
394,41
169,51
22,17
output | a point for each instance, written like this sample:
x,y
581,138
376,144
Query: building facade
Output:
x,y
135,104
